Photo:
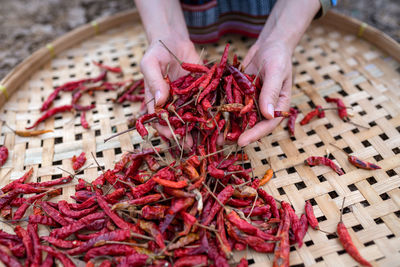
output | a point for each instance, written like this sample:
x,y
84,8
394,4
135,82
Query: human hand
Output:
x,y
155,64
273,61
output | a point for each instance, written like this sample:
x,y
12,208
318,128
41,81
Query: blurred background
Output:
x,y
27,25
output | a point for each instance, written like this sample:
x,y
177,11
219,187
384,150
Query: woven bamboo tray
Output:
x,y
330,59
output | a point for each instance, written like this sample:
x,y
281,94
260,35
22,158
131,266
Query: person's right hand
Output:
x,y
154,65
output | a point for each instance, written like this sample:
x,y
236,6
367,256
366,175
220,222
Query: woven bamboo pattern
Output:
x,y
326,62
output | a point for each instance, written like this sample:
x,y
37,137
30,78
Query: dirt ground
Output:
x,y
27,25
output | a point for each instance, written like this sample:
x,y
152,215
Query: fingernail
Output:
x,y
157,97
270,109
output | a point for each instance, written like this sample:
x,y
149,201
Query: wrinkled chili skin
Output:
x,y
282,247
362,164
223,197
50,113
312,220
342,109
292,120
270,201
78,162
3,155
315,161
242,81
349,246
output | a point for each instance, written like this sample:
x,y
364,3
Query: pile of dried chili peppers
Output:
x,y
129,90
193,211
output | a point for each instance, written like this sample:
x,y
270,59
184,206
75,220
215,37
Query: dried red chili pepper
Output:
x,y
20,212
61,243
292,120
9,260
26,240
270,201
138,201
347,242
187,261
21,180
176,206
37,256
84,122
109,250
130,89
3,155
48,262
303,222
152,229
246,227
40,219
282,247
249,105
257,243
78,162
59,181
315,161
194,67
362,164
223,198
140,124
113,216
50,113
134,260
57,254
282,114
105,67
318,111
117,235
242,81
312,220
154,212
54,214
65,209
341,107
172,184
50,99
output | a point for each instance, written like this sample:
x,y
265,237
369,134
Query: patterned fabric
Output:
x,y
208,20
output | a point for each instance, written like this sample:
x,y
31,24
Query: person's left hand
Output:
x,y
274,62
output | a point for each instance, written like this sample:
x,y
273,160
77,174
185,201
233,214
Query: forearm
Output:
x,y
288,21
162,19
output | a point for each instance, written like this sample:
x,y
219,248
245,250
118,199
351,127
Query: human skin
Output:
x,y
271,56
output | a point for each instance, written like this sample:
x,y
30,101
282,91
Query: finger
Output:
x,y
187,142
273,82
264,127
157,86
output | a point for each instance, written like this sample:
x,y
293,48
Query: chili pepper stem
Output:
x,y
187,103
332,144
169,51
341,209
214,196
95,160
126,131
206,227
358,125
165,118
184,141
252,207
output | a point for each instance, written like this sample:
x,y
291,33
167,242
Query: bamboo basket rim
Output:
x,y
18,75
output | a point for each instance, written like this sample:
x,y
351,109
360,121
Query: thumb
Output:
x,y
155,81
270,91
